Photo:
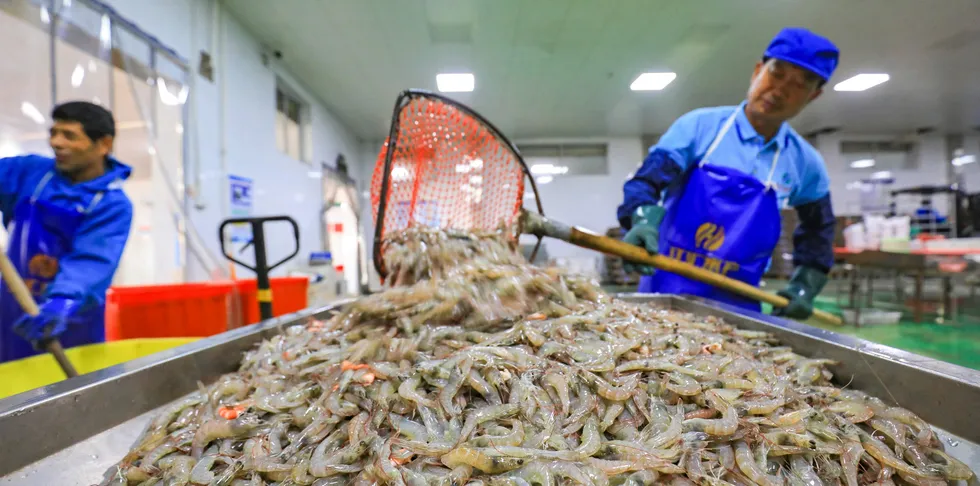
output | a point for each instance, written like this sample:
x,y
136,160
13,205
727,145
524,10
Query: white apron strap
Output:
x,y
772,169
40,186
721,134
47,178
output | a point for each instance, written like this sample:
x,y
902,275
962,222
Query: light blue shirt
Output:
x,y
800,176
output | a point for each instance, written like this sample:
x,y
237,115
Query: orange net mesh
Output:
x,y
449,170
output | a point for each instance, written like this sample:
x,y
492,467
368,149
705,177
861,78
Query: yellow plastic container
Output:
x,y
37,371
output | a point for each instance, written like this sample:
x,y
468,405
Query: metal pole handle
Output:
x,y
23,295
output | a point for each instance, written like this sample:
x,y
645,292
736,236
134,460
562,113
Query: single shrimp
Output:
x,y
611,468
168,414
409,391
558,382
479,459
803,472
762,407
951,468
448,393
924,433
683,385
746,463
854,412
886,457
221,429
850,460
794,417
321,461
201,473
642,478
477,417
515,437
726,425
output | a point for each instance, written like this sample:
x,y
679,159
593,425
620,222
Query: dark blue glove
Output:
x,y
803,288
645,233
50,323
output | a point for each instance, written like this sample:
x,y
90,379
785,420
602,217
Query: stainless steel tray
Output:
x,y
71,432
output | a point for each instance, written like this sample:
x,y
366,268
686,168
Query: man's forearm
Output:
x,y
813,240
644,188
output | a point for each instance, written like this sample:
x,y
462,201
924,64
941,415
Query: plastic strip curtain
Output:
x,y
169,95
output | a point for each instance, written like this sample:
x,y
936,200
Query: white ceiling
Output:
x,y
562,68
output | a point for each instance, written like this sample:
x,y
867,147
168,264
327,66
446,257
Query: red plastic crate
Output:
x,y
185,310
289,294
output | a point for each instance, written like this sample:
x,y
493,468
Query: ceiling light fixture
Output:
x,y
652,81
964,159
30,111
400,174
77,75
455,82
544,179
863,164
861,82
881,175
548,169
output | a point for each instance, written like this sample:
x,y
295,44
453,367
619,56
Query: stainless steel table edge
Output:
x,y
40,422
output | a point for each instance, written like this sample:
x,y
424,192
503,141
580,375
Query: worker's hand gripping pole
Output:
x,y
538,225
17,287
262,267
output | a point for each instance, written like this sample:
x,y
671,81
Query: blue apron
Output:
x,y
41,233
723,220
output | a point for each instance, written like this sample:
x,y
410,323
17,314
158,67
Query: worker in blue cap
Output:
x,y
710,191
68,220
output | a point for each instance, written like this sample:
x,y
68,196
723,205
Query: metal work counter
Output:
x,y
945,266
71,432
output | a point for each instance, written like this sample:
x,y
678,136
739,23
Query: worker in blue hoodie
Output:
x,y
68,220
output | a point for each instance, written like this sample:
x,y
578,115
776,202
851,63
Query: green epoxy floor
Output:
x,y
956,342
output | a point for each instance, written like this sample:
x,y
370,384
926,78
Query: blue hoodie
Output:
x,y
86,272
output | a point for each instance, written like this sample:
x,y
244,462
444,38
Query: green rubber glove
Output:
x,y
803,288
645,233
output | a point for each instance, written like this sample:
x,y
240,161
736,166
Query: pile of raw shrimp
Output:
x,y
487,371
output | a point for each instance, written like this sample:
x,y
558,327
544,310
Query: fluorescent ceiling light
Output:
x,y
30,111
400,174
476,179
548,169
77,75
105,31
544,179
652,81
964,159
455,82
861,82
885,174
462,168
863,164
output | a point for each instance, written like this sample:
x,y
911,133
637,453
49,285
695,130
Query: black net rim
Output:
x,y
404,99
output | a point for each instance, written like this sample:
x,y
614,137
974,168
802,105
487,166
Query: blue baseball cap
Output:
x,y
805,49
